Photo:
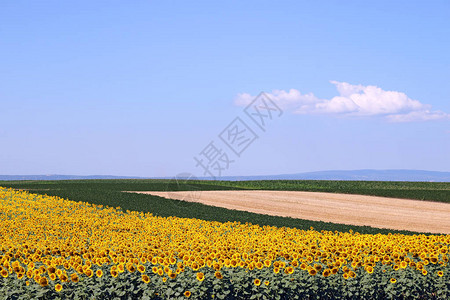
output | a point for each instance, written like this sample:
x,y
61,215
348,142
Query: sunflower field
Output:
x,y
54,248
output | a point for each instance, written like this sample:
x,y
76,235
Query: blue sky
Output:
x,y
141,88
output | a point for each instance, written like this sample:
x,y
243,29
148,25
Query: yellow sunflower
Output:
x,y
131,268
145,278
326,273
218,275
74,277
99,273
43,281
200,276
89,273
141,268
114,273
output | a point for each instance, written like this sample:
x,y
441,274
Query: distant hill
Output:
x,y
365,175
62,177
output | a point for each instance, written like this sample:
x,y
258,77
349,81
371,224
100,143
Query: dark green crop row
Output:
x,y
110,192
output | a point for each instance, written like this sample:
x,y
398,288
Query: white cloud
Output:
x,y
353,100
425,115
286,99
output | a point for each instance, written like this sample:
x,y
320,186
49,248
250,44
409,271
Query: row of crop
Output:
x,y
106,282
51,247
108,194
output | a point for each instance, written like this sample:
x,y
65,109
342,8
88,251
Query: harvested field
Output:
x,y
381,212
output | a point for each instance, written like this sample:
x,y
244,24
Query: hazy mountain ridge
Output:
x,y
62,177
365,175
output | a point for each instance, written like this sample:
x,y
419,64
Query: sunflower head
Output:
x,y
141,268
218,275
200,276
89,273
43,281
145,278
99,273
131,267
74,277
120,268
64,278
114,273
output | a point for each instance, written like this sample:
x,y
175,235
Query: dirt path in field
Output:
x,y
381,212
